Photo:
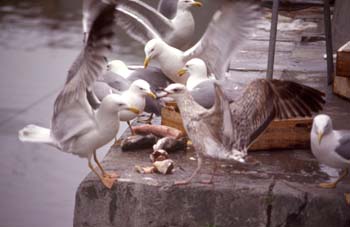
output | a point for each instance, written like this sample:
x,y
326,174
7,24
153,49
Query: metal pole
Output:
x,y
329,47
272,42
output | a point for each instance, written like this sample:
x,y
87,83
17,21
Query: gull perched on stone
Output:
x,y
228,129
330,147
225,33
75,127
143,23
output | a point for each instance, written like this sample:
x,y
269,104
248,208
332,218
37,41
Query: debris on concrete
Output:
x,y
171,144
138,142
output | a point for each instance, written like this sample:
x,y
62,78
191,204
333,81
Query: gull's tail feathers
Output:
x,y
36,134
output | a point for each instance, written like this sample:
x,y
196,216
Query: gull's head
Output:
x,y
114,103
186,4
175,90
194,67
322,125
142,88
152,49
117,66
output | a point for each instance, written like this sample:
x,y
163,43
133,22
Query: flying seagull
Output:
x,y
143,23
330,147
75,127
228,129
225,33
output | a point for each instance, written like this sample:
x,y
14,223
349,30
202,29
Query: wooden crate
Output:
x,y
343,61
280,134
341,86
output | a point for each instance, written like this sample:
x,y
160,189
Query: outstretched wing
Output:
x,y
91,9
229,26
263,100
90,63
141,21
72,112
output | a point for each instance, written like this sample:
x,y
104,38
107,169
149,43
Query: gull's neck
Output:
x,y
171,60
183,17
106,119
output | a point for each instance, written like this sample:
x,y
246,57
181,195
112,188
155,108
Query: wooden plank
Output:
x,y
341,86
280,134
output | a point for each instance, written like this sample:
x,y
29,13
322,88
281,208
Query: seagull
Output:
x,y
119,78
228,129
135,95
225,33
75,127
201,86
143,23
330,147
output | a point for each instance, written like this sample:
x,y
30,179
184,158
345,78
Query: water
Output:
x,y
39,40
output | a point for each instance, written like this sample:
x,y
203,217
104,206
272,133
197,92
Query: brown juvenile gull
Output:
x,y
75,127
330,147
229,26
143,23
228,129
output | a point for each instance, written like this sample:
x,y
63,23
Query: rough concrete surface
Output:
x,y
281,191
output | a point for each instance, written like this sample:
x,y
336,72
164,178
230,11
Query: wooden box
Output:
x,y
341,86
343,61
280,134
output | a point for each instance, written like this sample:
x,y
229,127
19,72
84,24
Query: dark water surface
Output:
x,y
39,40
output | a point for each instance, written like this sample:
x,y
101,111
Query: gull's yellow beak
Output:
x,y
152,95
146,62
182,72
197,4
134,110
319,137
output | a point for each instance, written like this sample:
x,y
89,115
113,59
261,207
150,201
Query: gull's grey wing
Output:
x,y
168,8
116,81
141,21
153,75
204,93
226,31
343,149
263,100
72,112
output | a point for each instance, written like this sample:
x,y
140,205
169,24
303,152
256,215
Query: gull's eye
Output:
x,y
152,49
176,90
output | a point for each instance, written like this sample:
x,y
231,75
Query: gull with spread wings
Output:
x,y
75,127
226,130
